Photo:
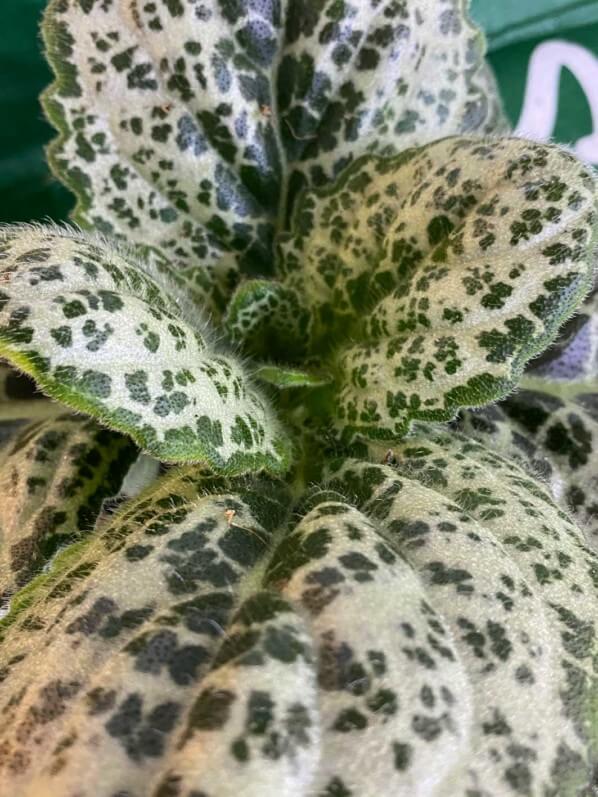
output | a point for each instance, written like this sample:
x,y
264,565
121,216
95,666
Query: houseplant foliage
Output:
x,y
311,271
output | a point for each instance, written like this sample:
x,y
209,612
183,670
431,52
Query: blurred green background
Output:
x,y
27,190
514,29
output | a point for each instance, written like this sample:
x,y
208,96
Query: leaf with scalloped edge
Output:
x,y
190,127
433,277
101,335
53,479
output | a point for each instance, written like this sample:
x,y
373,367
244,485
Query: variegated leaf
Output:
x,y
130,625
378,642
389,675
556,439
101,335
574,356
53,479
513,580
433,277
189,127
268,320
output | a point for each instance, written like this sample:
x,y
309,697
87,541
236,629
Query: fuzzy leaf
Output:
x,y
449,266
190,127
555,439
99,334
574,356
132,661
272,650
338,567
53,478
494,551
268,320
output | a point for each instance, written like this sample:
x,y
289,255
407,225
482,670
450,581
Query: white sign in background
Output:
x,y
540,104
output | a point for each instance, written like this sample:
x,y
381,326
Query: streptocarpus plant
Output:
x,y
312,269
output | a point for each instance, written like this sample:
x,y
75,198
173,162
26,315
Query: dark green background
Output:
x,y
27,190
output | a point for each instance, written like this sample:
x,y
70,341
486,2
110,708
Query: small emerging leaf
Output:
x,y
268,320
282,377
99,334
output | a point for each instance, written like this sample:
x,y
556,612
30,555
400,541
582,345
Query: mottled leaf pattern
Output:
x,y
272,652
263,693
556,439
497,554
101,335
413,621
574,356
53,479
433,277
268,320
189,127
130,623
389,676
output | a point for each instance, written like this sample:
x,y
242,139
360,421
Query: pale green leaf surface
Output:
x,y
208,626
433,277
152,598
379,639
101,335
190,128
283,378
54,476
555,438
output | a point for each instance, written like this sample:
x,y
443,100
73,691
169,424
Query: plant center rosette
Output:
x,y
307,506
